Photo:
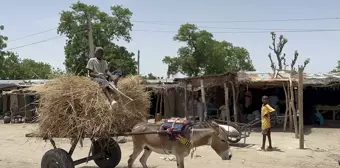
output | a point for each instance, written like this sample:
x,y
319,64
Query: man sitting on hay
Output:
x,y
99,72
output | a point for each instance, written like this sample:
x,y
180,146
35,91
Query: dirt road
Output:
x,y
323,150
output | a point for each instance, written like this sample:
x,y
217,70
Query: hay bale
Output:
x,y
70,104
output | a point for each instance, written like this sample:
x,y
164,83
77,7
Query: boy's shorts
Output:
x,y
266,131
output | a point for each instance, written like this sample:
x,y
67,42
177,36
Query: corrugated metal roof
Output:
x,y
27,82
156,81
255,76
321,78
7,85
309,78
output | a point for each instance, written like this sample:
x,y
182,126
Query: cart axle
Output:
x,y
90,158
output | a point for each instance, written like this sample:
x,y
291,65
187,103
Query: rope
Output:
x,y
192,143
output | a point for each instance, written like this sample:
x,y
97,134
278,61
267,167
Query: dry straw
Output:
x,y
71,104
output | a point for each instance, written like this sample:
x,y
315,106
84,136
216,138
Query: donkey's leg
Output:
x,y
145,157
180,161
134,155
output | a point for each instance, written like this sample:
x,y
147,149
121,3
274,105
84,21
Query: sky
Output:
x,y
22,18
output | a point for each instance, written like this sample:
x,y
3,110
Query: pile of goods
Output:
x,y
71,105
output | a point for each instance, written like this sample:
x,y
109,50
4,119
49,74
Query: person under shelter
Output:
x,y
98,71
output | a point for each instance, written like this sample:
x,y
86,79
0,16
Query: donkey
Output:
x,y
214,135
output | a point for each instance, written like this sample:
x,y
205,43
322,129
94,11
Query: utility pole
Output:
x,y
138,62
300,102
90,36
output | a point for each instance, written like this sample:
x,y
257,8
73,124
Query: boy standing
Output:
x,y
265,117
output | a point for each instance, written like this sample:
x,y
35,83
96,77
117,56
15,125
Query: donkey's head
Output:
x,y
219,141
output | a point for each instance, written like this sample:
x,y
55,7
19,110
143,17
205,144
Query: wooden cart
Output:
x,y
105,152
244,129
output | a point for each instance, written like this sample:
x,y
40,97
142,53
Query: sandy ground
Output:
x,y
322,145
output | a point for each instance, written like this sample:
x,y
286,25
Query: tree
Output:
x,y
281,65
150,76
106,28
337,68
57,72
31,69
12,67
277,47
202,54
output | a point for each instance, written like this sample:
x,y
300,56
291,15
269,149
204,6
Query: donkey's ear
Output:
x,y
213,123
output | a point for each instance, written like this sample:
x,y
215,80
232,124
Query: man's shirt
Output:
x,y
97,66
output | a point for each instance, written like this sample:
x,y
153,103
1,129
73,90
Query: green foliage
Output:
x,y
106,28
202,54
337,68
12,67
56,72
150,76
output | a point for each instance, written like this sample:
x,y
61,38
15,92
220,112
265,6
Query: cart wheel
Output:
x,y
234,139
56,158
273,121
280,121
112,152
7,119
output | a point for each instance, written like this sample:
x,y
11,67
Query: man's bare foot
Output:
x,y
113,102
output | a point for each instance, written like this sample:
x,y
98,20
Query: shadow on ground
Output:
x,y
242,145
275,149
119,167
307,130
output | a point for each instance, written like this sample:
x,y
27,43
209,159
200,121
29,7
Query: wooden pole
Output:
x,y
292,105
186,100
226,101
300,101
192,102
161,105
90,36
157,105
4,105
291,124
287,107
203,117
138,62
234,102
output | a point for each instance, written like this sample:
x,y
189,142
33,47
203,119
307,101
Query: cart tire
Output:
x,y
234,141
112,151
7,119
280,121
56,158
272,124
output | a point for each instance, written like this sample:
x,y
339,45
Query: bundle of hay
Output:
x,y
71,104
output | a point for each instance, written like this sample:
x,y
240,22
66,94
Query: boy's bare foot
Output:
x,y
261,149
269,148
